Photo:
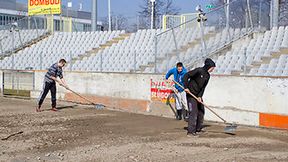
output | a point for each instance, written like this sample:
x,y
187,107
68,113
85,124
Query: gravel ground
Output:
x,y
82,133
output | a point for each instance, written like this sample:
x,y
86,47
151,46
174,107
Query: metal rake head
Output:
x,y
230,129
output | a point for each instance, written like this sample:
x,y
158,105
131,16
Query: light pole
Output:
x,y
69,5
109,14
152,13
94,15
227,13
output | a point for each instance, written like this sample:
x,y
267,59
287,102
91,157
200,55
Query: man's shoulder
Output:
x,y
185,70
198,69
54,65
173,69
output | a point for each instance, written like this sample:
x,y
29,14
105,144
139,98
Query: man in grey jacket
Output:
x,y
49,84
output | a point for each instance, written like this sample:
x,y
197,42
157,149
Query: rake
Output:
x,y
97,106
230,128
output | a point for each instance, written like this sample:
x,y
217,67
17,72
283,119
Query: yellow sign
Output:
x,y
41,7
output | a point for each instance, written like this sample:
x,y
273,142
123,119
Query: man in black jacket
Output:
x,y
195,81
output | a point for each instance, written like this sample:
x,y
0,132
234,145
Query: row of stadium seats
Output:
x,y
195,52
120,57
252,51
138,50
11,40
59,45
276,67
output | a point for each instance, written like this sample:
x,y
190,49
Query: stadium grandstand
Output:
x,y
117,80
245,48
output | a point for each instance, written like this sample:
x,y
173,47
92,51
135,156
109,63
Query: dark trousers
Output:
x,y
46,87
196,115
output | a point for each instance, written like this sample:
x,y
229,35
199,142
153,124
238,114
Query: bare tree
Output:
x,y
239,14
162,7
283,15
118,22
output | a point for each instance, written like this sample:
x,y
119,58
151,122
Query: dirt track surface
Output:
x,y
82,133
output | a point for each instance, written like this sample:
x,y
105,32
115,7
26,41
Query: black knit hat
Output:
x,y
209,63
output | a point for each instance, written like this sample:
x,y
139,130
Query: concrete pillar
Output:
x,y
94,15
274,13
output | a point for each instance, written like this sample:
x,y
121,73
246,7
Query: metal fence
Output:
x,y
234,20
18,83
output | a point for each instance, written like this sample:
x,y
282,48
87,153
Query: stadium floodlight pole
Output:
x,y
109,15
227,13
152,13
228,18
94,15
274,13
201,25
69,5
260,14
249,14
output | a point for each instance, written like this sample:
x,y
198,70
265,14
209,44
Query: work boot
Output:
x,y
54,109
38,109
179,115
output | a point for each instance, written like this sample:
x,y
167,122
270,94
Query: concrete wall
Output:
x,y
244,100
247,100
249,93
129,86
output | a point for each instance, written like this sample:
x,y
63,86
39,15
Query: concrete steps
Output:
x,y
108,44
267,59
184,48
223,49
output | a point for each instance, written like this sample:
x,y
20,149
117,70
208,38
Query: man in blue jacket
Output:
x,y
180,95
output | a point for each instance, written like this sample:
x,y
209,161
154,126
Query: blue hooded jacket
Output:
x,y
178,77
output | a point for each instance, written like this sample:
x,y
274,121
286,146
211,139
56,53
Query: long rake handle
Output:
x,y
209,108
80,95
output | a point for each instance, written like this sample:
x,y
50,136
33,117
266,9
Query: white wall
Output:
x,y
130,86
237,99
258,94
